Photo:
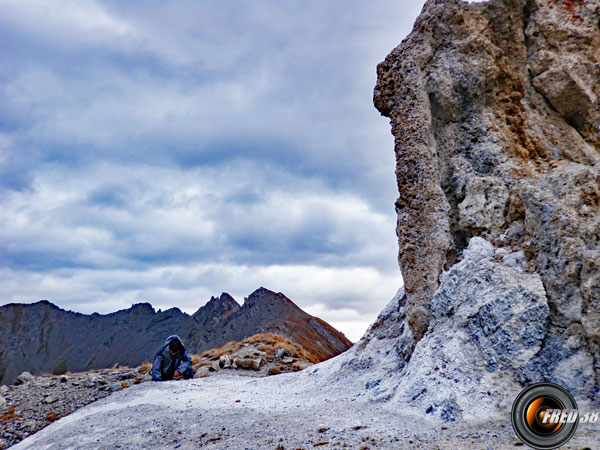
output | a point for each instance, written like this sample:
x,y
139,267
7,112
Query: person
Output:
x,y
172,361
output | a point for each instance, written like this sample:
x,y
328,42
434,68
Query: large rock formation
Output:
x,y
44,338
494,109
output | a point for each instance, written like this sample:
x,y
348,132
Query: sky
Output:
x,y
166,152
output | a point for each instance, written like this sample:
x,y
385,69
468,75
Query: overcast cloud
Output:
x,y
169,151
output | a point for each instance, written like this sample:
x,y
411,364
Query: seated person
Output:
x,y
172,361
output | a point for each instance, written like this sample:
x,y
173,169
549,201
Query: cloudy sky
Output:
x,y
170,151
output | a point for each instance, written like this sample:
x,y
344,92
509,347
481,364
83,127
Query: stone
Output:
x,y
93,378
280,353
115,387
247,363
249,351
63,378
2,401
30,424
497,138
502,252
207,369
225,361
50,399
515,260
24,378
202,371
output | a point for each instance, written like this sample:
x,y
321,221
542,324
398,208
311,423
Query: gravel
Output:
x,y
278,412
27,408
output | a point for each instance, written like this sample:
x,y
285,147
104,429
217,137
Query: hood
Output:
x,y
173,337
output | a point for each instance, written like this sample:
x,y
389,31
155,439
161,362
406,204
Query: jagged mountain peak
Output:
x,y
264,296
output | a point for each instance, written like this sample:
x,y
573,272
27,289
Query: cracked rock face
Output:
x,y
494,107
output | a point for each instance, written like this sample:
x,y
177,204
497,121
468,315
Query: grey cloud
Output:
x,y
139,140
113,213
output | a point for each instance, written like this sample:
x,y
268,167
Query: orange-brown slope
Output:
x,y
265,311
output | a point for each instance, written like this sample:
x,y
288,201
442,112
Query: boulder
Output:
x,y
225,361
249,351
247,363
24,378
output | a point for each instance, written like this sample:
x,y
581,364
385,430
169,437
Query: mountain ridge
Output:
x,y
42,337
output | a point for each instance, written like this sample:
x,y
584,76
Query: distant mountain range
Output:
x,y
42,337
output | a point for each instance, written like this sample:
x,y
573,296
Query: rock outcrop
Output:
x,y
44,338
495,114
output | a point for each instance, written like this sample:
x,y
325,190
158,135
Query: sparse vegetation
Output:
x,y
265,342
51,416
200,363
145,368
9,415
215,353
275,370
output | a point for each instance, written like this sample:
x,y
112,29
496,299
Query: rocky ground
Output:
x,y
234,412
36,402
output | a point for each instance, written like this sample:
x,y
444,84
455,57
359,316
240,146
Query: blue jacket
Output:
x,y
165,364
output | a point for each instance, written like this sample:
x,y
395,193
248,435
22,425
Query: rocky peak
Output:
x,y
142,308
264,297
217,306
266,311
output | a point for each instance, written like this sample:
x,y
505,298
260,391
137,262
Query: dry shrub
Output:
x,y
124,385
204,375
274,370
271,342
216,353
265,342
297,367
200,364
137,381
145,368
51,416
115,369
195,359
9,415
